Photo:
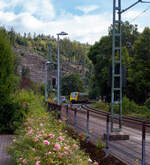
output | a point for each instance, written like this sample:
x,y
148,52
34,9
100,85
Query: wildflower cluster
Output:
x,y
42,141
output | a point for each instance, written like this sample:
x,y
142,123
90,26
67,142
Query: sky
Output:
x,y
85,21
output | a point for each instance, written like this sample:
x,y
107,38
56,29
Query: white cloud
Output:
x,y
42,9
130,15
37,16
2,5
87,9
137,17
86,28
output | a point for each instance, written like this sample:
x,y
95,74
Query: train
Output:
x,y
78,97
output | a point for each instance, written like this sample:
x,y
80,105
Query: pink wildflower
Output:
x,y
41,124
30,132
75,145
46,142
66,148
42,131
36,139
89,160
20,158
37,163
61,138
24,161
66,153
95,163
51,136
39,134
56,147
61,154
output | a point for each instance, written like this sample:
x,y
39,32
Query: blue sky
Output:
x,y
83,20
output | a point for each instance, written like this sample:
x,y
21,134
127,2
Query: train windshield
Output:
x,y
74,94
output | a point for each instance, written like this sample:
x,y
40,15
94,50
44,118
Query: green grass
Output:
x,y
130,108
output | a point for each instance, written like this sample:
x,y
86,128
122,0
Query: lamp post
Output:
x,y
58,67
46,95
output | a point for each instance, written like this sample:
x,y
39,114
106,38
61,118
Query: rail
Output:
x,y
88,111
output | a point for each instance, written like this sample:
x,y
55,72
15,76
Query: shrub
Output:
x,y
11,117
42,139
7,76
14,113
147,103
128,107
102,106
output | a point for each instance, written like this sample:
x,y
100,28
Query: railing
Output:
x,y
80,120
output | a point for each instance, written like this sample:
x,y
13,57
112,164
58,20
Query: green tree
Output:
x,y
7,78
139,72
101,56
8,110
71,83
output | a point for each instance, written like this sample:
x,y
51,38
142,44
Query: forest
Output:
x,y
97,59
135,60
70,51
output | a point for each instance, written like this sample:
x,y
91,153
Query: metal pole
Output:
x,y
67,115
107,136
50,69
58,72
87,127
143,144
75,119
46,81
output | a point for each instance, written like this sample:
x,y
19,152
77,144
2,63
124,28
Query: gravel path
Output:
x,y
4,142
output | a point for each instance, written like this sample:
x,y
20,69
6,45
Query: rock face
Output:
x,y
33,65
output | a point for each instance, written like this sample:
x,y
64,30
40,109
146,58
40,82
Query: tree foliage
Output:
x,y
71,83
135,58
7,78
139,72
8,109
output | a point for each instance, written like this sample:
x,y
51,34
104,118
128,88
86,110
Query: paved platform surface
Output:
x,y
5,141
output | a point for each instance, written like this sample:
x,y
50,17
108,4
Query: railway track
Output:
x,y
128,151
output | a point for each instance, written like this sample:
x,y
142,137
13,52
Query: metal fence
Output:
x,y
94,124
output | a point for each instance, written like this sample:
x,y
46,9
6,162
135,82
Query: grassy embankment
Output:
x,y
41,139
130,108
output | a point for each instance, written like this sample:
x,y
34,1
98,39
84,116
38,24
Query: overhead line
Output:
x,y
140,14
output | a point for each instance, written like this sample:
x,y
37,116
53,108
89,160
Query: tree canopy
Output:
x,y
71,83
135,59
7,78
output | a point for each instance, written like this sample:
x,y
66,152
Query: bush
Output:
x,y
102,106
128,107
14,113
7,76
147,103
132,107
11,117
42,139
